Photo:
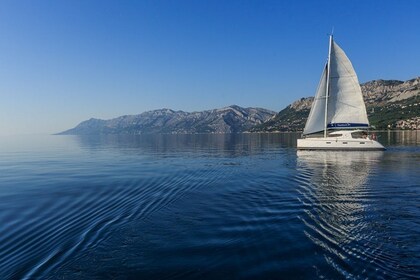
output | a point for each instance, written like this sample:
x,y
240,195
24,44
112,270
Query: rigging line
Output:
x,y
347,104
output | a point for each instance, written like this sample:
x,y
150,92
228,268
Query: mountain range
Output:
x,y
390,104
232,119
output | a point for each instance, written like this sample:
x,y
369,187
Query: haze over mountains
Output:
x,y
390,104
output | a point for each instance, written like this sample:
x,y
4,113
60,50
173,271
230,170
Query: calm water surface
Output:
x,y
207,206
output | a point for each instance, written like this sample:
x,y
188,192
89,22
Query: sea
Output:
x,y
216,206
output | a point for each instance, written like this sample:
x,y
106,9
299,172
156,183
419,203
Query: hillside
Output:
x,y
390,104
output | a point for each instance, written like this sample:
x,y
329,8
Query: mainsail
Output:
x,y
345,108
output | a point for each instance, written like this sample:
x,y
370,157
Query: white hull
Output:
x,y
331,143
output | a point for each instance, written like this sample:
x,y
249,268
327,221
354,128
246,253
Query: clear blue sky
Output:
x,y
62,62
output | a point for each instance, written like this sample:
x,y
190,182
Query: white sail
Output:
x,y
315,122
346,107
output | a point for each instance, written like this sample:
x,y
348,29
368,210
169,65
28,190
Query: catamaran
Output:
x,y
338,118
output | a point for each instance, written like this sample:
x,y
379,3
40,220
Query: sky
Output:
x,y
63,62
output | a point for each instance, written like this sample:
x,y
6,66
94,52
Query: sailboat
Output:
x,y
338,118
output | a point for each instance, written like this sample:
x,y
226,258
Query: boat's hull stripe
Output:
x,y
340,125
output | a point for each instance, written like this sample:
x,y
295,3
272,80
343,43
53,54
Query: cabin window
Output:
x,y
362,142
359,134
335,135
328,142
344,142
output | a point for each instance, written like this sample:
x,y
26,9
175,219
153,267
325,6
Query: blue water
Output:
x,y
207,206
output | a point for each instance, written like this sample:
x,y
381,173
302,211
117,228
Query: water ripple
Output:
x,y
339,213
217,209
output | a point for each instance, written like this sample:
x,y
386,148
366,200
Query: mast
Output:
x,y
327,87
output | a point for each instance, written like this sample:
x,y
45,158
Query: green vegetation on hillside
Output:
x,y
286,120
384,117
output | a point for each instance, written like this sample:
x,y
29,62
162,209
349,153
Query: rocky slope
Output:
x,y
389,104
230,119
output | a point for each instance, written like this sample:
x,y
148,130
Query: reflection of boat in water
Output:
x,y
339,107
335,193
348,169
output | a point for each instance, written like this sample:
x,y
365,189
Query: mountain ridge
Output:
x,y
390,104
230,119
